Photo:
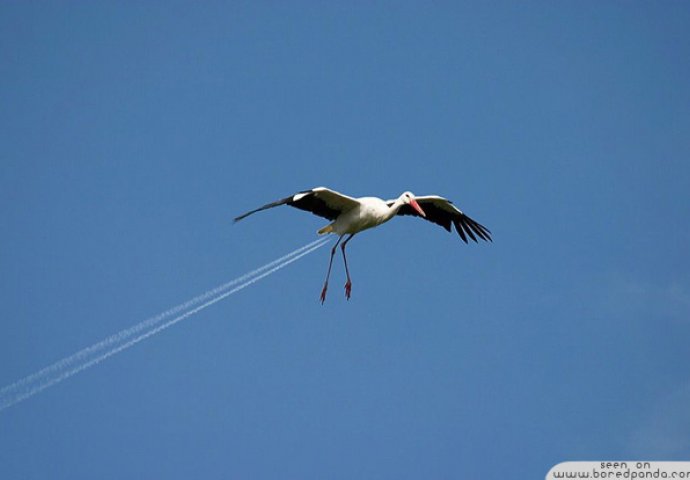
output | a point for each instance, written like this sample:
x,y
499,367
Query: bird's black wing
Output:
x,y
320,201
442,212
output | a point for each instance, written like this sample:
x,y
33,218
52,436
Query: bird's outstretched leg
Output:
x,y
330,264
348,284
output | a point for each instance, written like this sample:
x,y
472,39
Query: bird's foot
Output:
x,y
348,289
323,292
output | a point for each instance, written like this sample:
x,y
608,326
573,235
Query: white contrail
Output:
x,y
148,323
69,366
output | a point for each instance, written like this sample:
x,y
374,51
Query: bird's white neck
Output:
x,y
393,209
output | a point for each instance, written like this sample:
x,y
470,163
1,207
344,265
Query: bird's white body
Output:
x,y
370,212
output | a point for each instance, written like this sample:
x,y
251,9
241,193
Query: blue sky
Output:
x,y
132,134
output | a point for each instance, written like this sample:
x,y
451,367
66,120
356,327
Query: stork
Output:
x,y
350,215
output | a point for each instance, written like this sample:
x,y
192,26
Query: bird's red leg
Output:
x,y
330,264
348,284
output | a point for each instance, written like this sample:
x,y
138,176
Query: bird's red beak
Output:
x,y
416,206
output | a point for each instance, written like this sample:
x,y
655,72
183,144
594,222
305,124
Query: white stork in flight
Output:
x,y
350,216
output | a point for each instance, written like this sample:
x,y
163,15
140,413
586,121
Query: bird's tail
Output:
x,y
326,229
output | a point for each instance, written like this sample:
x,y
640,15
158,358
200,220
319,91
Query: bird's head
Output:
x,y
408,199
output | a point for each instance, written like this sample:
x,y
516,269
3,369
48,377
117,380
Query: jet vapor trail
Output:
x,y
122,335
69,366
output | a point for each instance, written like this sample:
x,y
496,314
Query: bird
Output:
x,y
349,216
